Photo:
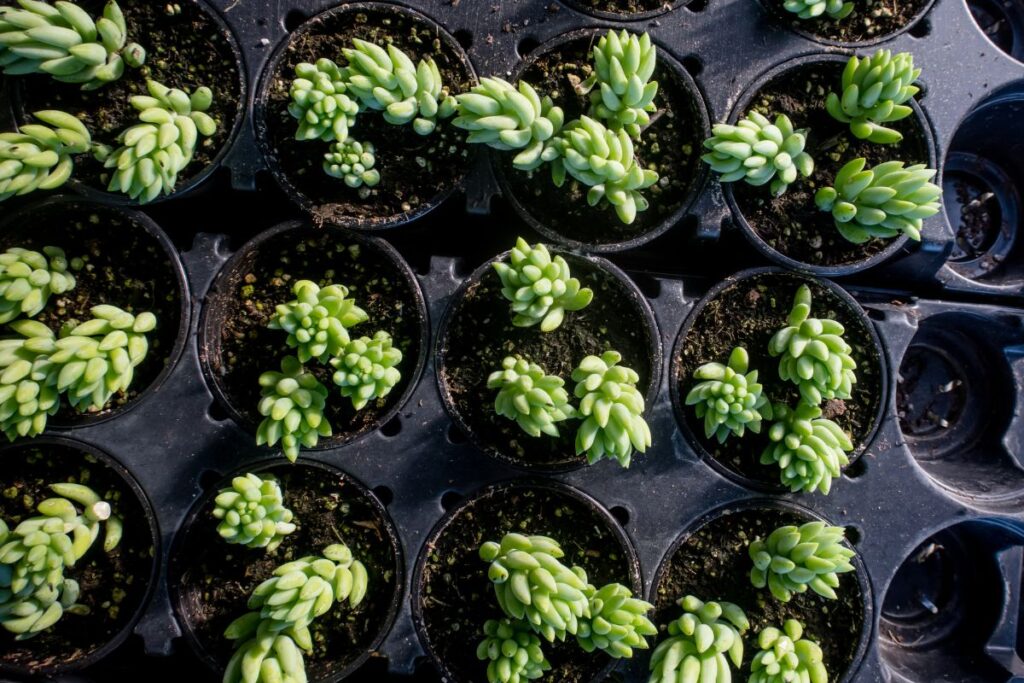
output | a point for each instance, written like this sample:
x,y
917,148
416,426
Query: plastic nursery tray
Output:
x,y
935,505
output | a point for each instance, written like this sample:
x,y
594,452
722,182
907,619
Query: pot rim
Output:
x,y
778,15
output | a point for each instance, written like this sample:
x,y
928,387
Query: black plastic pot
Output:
x,y
806,28
609,15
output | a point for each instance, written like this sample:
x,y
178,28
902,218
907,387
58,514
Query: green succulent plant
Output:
x,y
387,80
602,160
40,157
881,202
786,655
292,406
812,9
874,91
757,151
34,592
252,512
611,408
62,40
729,398
621,90
320,103
317,320
809,450
699,643
501,116
367,369
28,278
157,149
793,559
814,355
618,622
28,381
531,584
352,161
268,658
540,287
512,652
536,400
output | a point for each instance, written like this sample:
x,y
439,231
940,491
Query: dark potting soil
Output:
x,y
713,564
214,580
184,50
124,266
979,224
670,145
456,598
415,169
870,19
112,584
480,334
748,313
625,7
240,347
792,224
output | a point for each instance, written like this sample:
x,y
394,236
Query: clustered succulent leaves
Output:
x,y
729,398
884,201
811,9
536,400
353,162
317,320
292,406
28,278
512,652
758,151
611,408
320,103
701,643
874,92
40,157
618,622
793,559
809,450
540,287
367,368
785,655
62,40
28,382
621,90
252,512
34,591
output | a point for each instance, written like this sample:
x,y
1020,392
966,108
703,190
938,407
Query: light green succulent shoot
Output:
x,y
531,584
812,9
40,155
814,355
28,279
785,655
62,40
611,408
34,592
699,643
729,398
387,80
759,152
810,451
252,512
621,90
367,369
512,652
28,381
317,320
883,202
874,91
604,161
503,117
292,406
540,286
536,400
793,559
156,150
617,624
320,103
267,658
353,162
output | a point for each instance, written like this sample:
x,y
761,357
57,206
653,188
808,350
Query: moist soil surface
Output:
x,y
670,145
713,564
480,334
240,347
123,266
416,170
456,598
625,7
112,584
185,50
214,579
748,313
870,20
792,224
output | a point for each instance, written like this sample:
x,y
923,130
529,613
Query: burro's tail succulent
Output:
x,y
881,202
252,512
621,90
611,408
793,559
812,9
874,91
62,40
353,162
387,80
320,103
699,642
729,398
293,408
512,652
34,591
618,622
785,655
267,658
531,584
367,369
536,400
28,279
810,451
757,151
28,380
317,320
38,156
540,286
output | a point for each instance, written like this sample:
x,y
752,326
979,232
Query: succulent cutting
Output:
x,y
29,278
621,90
540,287
758,152
701,643
292,405
536,400
320,103
366,369
611,409
40,155
353,162
512,651
785,655
728,398
617,623
809,450
874,92
252,512
317,320
793,559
